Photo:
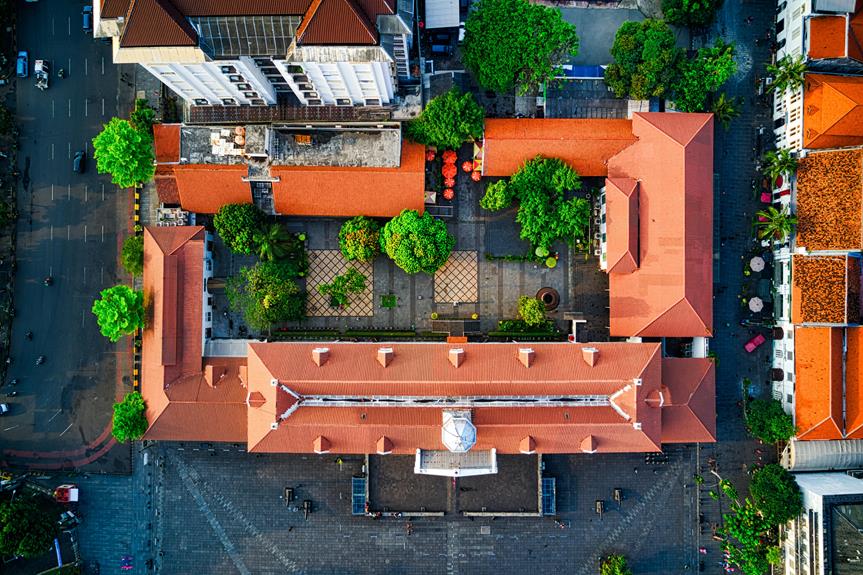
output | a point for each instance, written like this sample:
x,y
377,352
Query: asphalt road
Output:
x,y
68,229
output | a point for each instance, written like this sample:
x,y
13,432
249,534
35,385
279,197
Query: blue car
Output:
x,y
23,66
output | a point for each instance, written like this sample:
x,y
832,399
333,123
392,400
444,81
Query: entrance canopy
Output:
x,y
450,464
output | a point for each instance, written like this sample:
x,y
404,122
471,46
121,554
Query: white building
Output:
x,y
220,53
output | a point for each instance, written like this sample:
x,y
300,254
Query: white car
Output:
x,y
4,408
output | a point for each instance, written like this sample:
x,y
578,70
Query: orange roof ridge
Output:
x,y
681,128
819,380
156,23
336,22
307,19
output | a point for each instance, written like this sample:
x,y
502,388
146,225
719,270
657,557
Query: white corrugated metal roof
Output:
x,y
441,14
823,455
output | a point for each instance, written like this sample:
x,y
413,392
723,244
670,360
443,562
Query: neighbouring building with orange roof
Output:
x,y
284,172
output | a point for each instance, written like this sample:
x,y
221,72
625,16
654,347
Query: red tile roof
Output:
x,y
818,389
181,404
626,373
854,383
671,294
833,111
825,289
166,143
621,201
114,8
204,188
349,191
689,400
156,23
827,37
336,22
585,144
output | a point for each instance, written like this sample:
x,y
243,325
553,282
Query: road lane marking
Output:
x,y
70,150
70,425
52,192
50,271
85,233
103,65
52,233
68,231
85,66
86,191
103,192
102,276
85,275
59,411
52,151
52,27
69,24
69,191
11,428
70,107
85,107
103,107
52,109
103,234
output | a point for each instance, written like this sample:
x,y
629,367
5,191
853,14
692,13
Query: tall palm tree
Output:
x,y
788,73
775,224
726,109
779,163
273,242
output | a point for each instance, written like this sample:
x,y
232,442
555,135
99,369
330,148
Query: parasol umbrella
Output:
x,y
756,304
756,264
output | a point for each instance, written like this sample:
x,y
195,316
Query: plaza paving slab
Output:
x,y
456,281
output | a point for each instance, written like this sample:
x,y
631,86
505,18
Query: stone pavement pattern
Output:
x,y
324,265
456,281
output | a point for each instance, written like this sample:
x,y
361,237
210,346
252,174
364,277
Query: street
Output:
x,y
70,228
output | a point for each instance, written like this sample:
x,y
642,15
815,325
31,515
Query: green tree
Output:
x,y
417,243
725,109
132,256
691,13
237,225
447,121
531,310
614,565
775,224
766,420
143,116
266,293
119,311
704,75
788,73
125,153
514,43
28,525
498,196
745,532
273,242
342,286
776,494
779,163
646,60
130,418
360,239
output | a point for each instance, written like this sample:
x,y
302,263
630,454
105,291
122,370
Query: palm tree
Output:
x,y
788,73
775,224
273,242
779,163
726,109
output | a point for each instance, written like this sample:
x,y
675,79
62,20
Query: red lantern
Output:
x,y
475,176
430,155
467,166
449,157
449,170
448,194
449,183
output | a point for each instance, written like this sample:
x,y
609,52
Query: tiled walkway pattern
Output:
x,y
456,282
324,265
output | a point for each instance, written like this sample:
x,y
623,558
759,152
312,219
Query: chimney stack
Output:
x,y
456,356
385,356
590,355
526,356
320,355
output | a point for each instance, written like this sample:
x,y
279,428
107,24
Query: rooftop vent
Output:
x,y
274,382
456,356
590,355
526,356
385,356
320,355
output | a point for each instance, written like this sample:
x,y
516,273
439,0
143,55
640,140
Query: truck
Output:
x,y
42,72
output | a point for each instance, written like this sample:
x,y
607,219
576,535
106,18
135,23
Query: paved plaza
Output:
x,y
324,266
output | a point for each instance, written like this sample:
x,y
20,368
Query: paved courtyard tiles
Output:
x,y
456,281
324,265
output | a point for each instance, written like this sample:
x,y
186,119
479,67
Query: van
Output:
x,y
87,16
22,68
79,163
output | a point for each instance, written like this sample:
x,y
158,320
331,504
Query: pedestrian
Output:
x,y
749,19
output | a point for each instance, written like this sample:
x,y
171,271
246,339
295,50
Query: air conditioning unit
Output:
x,y
597,252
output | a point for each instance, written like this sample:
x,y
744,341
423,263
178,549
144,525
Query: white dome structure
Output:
x,y
458,434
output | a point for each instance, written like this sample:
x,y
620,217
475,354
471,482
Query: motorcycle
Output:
x,y
48,281
40,360
12,394
61,73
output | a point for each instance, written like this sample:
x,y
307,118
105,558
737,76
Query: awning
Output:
x,y
449,464
441,14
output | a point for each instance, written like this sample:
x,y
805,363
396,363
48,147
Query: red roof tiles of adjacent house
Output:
x,y
166,143
827,37
689,408
670,294
336,22
585,144
825,290
818,389
621,209
352,191
204,188
625,374
854,383
833,111
114,8
156,23
181,404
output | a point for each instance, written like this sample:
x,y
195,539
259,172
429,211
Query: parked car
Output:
x,y
87,16
23,66
79,162
4,408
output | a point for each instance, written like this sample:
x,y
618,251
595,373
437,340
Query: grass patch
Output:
x,y
389,301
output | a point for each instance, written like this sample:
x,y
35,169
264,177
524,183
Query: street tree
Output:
x,y
788,73
125,153
129,422
703,75
265,294
614,565
746,532
646,60
775,225
498,196
776,494
779,163
690,13
516,44
447,121
132,255
417,243
767,421
237,225
725,108
360,239
119,311
531,310
28,525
